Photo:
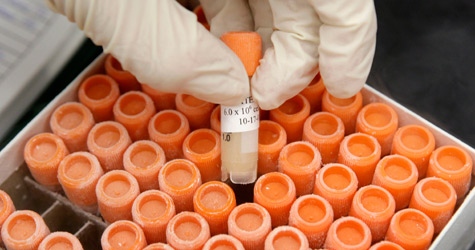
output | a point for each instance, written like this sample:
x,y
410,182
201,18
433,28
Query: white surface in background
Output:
x,y
35,43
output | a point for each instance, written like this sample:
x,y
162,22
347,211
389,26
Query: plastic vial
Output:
x,y
240,124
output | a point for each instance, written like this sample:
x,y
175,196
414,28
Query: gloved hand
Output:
x,y
163,45
300,36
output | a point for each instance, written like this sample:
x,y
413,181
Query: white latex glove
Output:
x,y
300,38
163,45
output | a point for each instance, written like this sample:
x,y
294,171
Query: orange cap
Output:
x,y
180,178
453,164
214,200
250,223
108,141
24,229
200,15
379,120
386,245
6,208
247,46
159,246
168,128
276,192
72,121
300,160
361,152
313,215
286,237
397,174
197,111
223,241
272,138
43,153
203,147
99,93
162,100
292,115
60,240
215,119
436,198
152,210
78,175
375,206
411,229
348,233
123,234
416,143
325,131
116,192
125,79
187,230
337,183
143,159
314,93
134,110
347,109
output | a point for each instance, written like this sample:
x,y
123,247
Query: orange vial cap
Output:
x,y
286,237
72,121
187,230
397,174
162,100
300,160
203,147
6,208
250,223
347,109
348,233
215,119
313,215
125,79
60,241
144,159
123,235
416,143
453,164
78,175
169,128
385,245
360,152
291,115
152,210
436,198
276,192
180,178
108,141
337,183
272,138
223,242
99,93
116,192
375,206
24,229
325,131
214,200
411,229
379,120
197,111
134,110
43,153
314,93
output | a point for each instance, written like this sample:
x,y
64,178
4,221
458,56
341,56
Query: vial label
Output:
x,y
240,118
